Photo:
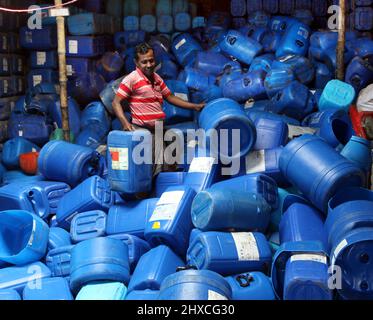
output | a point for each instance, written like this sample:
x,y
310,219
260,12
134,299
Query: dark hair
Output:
x,y
142,48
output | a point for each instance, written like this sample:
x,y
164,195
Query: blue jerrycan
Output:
x,y
227,114
58,238
13,148
350,241
270,41
39,197
185,48
263,62
295,40
333,125
195,285
110,66
168,179
136,247
304,15
19,176
251,286
143,295
211,63
338,95
359,72
88,225
229,253
240,47
153,267
277,79
322,75
58,261
170,222
24,237
248,86
130,169
99,259
195,79
93,193
95,113
220,209
49,289
332,173
300,266
167,69
131,217
69,163
280,23
295,101
102,290
271,133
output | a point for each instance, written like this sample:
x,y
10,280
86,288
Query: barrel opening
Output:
x,y
364,258
341,130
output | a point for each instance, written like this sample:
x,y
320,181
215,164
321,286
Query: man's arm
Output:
x,y
184,104
118,110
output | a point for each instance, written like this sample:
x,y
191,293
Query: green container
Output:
x,y
57,134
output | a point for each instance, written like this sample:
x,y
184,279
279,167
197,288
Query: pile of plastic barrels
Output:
x,y
272,202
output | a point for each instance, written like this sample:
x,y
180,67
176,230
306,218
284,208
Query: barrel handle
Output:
x,y
299,43
244,280
246,82
187,267
39,202
231,40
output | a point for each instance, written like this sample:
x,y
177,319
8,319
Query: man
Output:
x,y
145,90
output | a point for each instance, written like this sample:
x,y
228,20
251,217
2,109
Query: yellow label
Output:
x,y
156,225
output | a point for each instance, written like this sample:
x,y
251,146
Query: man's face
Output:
x,y
146,63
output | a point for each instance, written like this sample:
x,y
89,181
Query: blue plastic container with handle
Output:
x,y
88,225
336,94
13,148
50,289
58,261
270,133
102,290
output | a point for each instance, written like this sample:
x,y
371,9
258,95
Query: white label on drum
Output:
x,y
5,43
309,257
247,248
182,42
5,64
255,162
20,85
69,69
212,295
73,46
201,164
41,58
170,197
20,133
119,158
36,79
343,244
296,131
303,32
6,85
182,96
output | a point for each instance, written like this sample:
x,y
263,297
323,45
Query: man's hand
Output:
x,y
199,106
128,127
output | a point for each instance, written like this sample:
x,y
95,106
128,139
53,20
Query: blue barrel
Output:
x,y
270,41
358,151
220,209
143,295
131,7
295,101
248,86
66,162
330,57
198,22
49,289
18,277
93,193
91,136
304,15
148,23
332,173
277,79
25,237
259,18
58,261
165,24
39,39
95,114
164,7
195,285
170,222
333,125
251,286
327,39
363,17
179,6
97,260
136,247
128,38
363,47
253,6
195,79
336,94
280,23
153,267
173,113
238,8
110,66
227,114
219,18
238,46
102,291
182,21
263,62
58,237
229,253
270,133
130,218
302,67
295,40
129,172
359,72
36,76
88,225
13,148
230,72
167,69
322,75
185,48
131,23
167,179
271,6
19,176
211,63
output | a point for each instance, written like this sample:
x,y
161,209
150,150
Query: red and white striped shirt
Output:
x,y
145,100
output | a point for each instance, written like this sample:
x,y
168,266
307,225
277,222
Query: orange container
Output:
x,y
29,162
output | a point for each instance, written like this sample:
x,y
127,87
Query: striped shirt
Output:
x,y
145,100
